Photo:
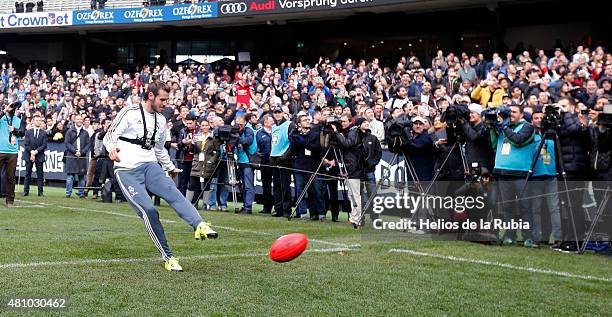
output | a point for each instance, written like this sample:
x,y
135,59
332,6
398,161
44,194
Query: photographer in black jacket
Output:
x,y
477,146
351,147
373,155
600,156
601,162
330,167
574,139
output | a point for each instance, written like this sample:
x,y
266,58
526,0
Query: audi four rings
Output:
x,y
233,8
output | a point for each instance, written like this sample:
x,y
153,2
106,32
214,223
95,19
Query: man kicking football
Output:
x,y
135,141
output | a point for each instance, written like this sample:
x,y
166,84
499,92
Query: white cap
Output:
x,y
418,118
475,108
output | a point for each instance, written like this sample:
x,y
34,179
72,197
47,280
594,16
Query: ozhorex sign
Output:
x,y
233,8
143,13
193,10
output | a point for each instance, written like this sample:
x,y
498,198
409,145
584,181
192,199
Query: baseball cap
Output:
x,y
418,118
475,108
277,109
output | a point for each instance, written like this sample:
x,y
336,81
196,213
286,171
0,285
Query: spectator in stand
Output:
x,y
488,93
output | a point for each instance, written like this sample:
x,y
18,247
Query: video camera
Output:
x,y
398,133
329,122
453,113
490,115
605,118
552,119
227,134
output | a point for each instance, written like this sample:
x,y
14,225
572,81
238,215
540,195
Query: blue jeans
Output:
x,y
183,177
80,183
248,186
220,183
550,203
313,201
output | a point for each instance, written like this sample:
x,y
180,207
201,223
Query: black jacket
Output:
x,y
477,148
306,150
373,152
574,140
351,147
76,165
421,153
264,144
39,144
600,160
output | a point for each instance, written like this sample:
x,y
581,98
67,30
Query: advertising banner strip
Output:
x,y
146,15
35,19
258,7
181,12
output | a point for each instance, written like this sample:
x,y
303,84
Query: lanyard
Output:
x,y
147,141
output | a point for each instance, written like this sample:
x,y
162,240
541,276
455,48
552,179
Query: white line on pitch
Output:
x,y
131,260
503,265
336,244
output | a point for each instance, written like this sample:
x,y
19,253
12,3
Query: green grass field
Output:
x,y
99,256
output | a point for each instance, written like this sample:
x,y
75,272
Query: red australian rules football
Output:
x,y
288,247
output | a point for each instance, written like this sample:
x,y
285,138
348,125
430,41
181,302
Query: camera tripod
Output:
x,y
466,168
411,171
595,220
343,174
551,134
232,180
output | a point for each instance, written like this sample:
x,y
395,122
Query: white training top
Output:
x,y
128,124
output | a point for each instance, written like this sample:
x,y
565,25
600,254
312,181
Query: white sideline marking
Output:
x,y
504,265
336,244
132,260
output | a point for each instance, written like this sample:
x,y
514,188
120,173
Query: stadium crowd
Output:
x,y
334,117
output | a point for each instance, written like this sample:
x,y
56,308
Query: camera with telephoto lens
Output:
x,y
552,119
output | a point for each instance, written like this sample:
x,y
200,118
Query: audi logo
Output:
x,y
233,8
